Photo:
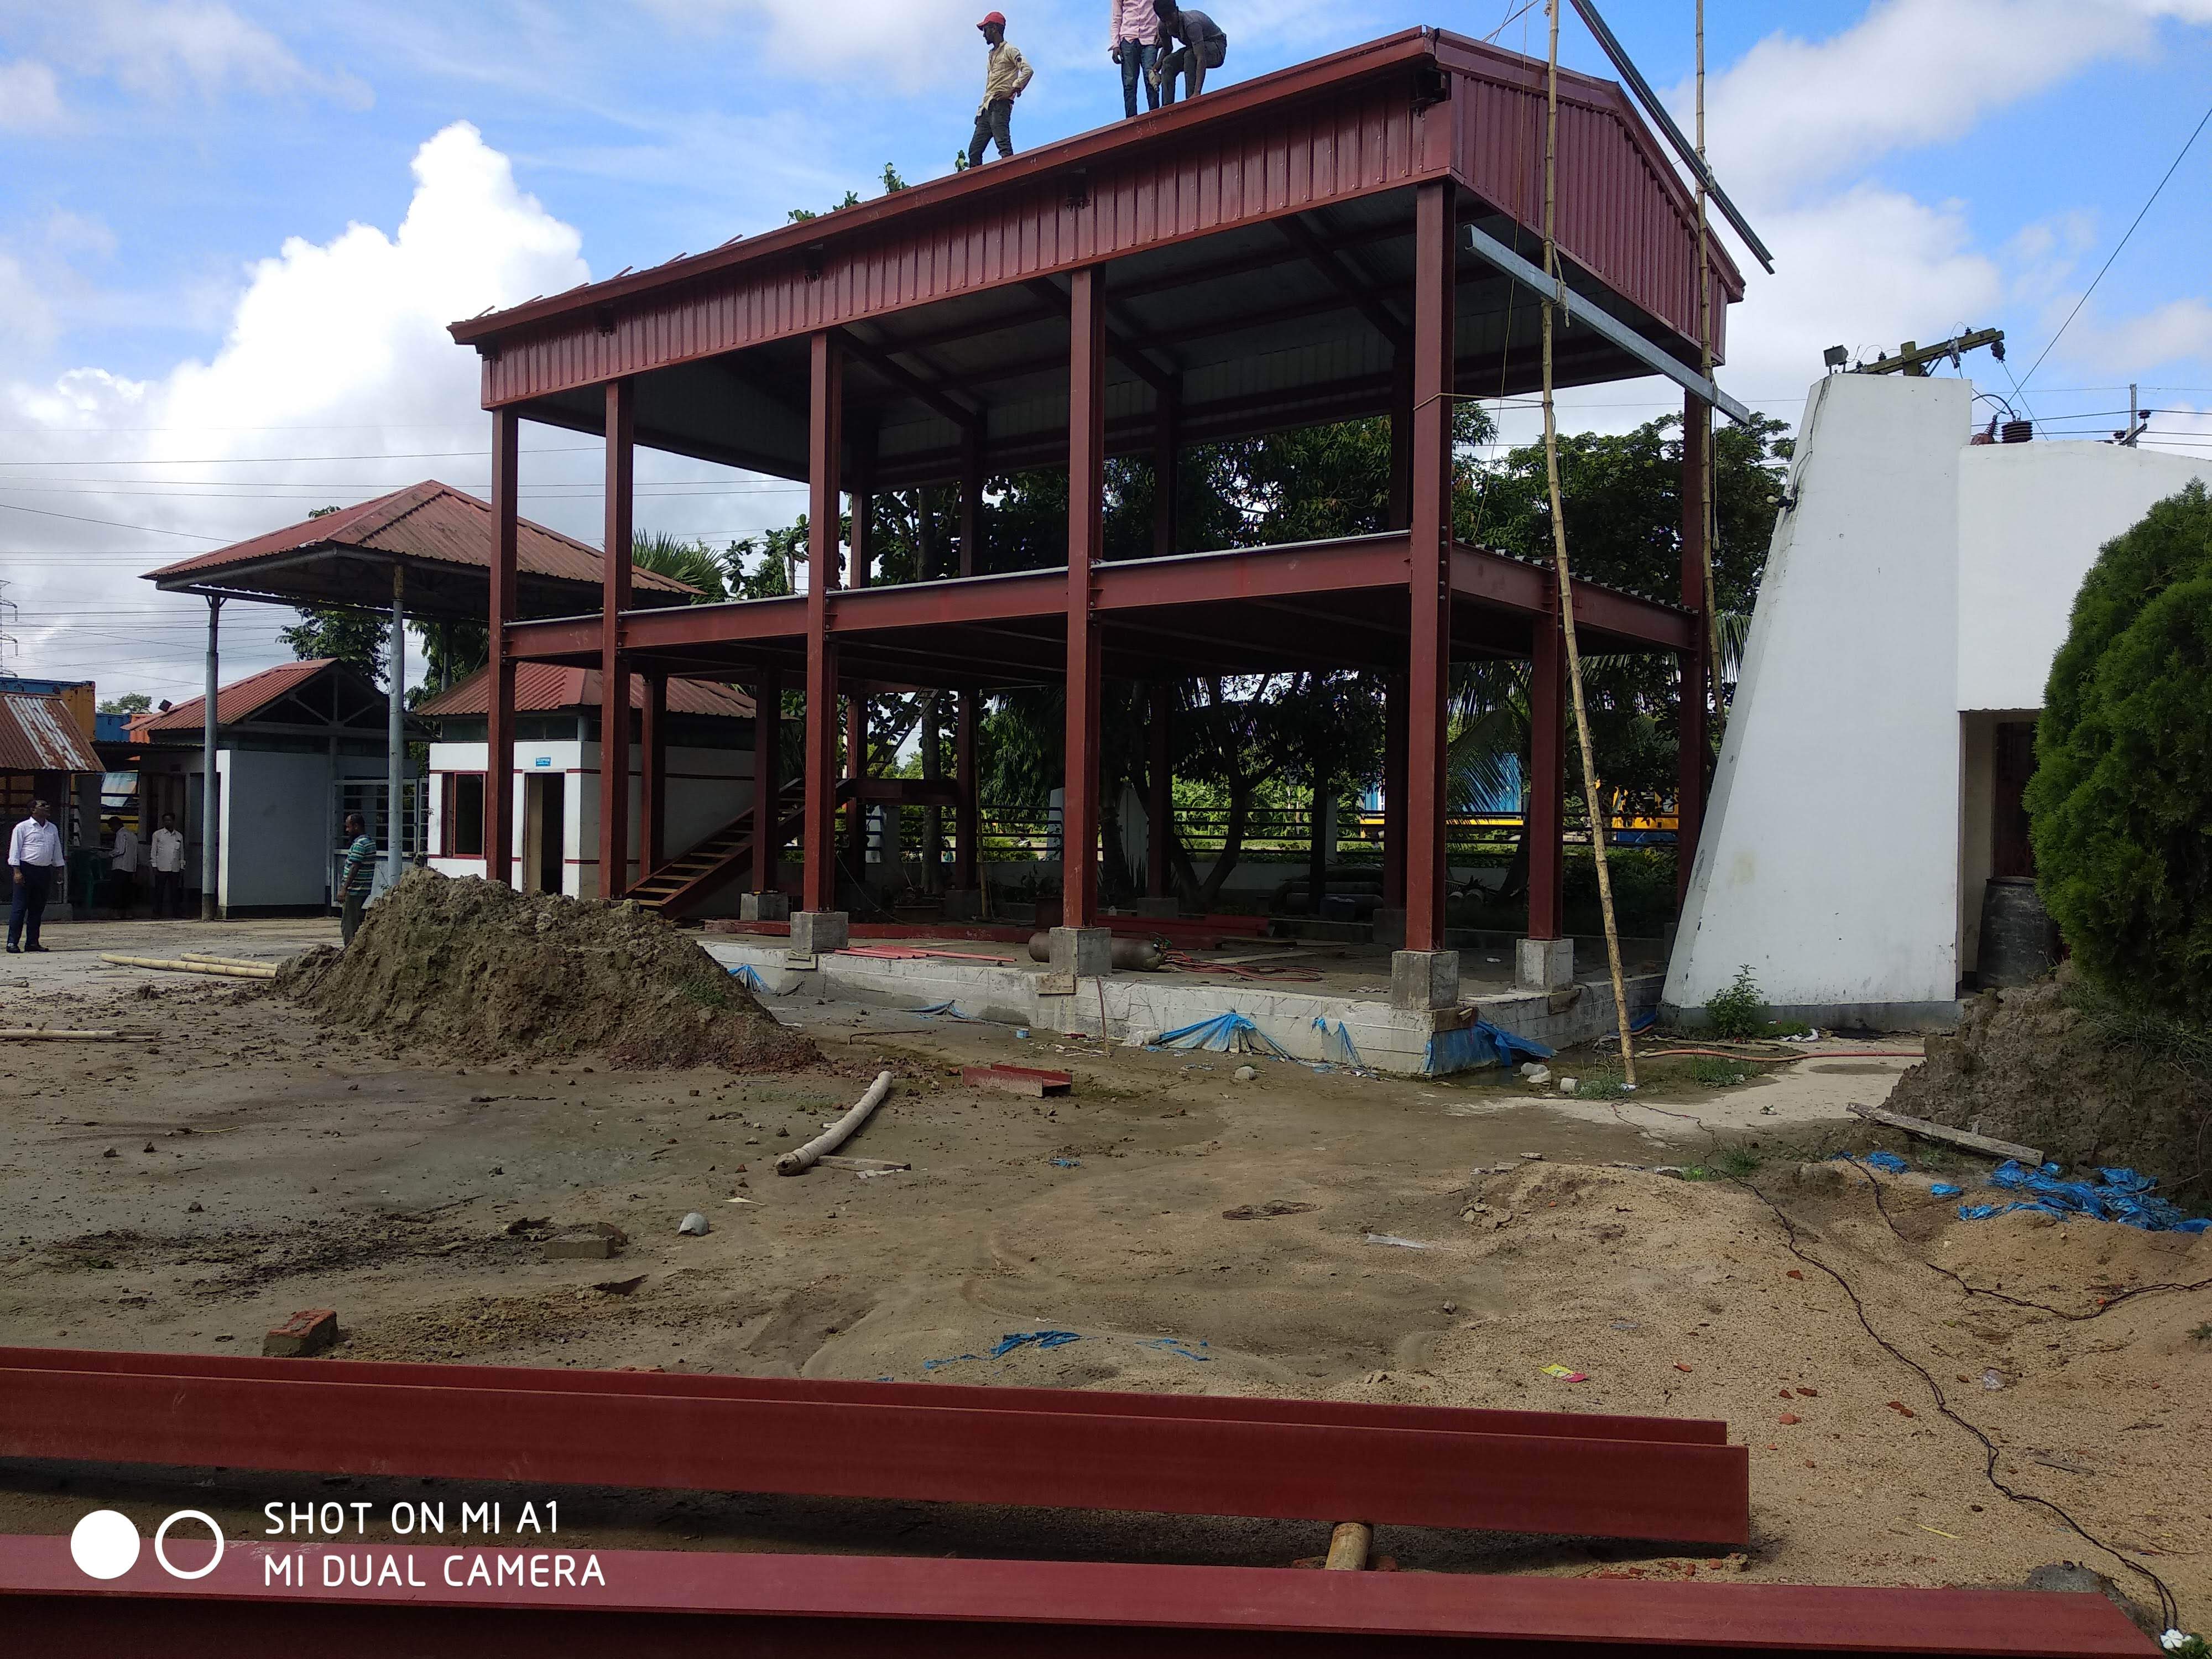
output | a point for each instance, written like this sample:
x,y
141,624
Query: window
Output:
x,y
463,805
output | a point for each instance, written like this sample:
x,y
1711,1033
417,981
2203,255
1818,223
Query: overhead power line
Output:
x,y
2186,145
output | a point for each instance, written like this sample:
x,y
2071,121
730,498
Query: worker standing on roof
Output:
x,y
1204,47
1005,74
1132,40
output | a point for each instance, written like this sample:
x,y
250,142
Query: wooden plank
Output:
x,y
1964,1139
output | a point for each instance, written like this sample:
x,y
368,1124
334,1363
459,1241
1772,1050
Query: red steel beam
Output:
x,y
783,1606
1548,771
1690,736
653,782
1430,570
825,435
613,675
349,1420
1086,546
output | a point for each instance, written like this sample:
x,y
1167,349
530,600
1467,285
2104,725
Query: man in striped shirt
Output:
x,y
358,879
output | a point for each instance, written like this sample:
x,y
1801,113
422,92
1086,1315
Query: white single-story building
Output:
x,y
1919,583
297,747
709,773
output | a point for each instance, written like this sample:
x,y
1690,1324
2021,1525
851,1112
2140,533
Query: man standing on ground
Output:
x,y
122,867
1132,33
1005,74
358,879
1205,48
36,861
168,850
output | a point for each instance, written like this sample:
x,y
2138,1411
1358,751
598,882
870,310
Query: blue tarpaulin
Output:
x,y
1479,1044
1224,1034
1336,1042
2118,1194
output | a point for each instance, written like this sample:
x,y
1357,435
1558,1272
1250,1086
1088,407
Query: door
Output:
x,y
545,822
2011,856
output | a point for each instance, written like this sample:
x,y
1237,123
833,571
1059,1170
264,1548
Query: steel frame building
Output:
x,y
1352,237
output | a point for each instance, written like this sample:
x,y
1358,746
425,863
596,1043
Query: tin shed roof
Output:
x,y
38,733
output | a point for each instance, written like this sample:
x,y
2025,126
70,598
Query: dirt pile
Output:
x,y
2035,1065
474,970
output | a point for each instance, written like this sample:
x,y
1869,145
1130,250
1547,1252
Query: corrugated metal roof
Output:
x,y
427,521
240,700
38,733
542,688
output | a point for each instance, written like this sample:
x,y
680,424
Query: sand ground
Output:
x,y
185,1193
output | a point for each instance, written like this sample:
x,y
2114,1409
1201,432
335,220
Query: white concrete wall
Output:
x,y
2031,519
275,849
1830,859
706,788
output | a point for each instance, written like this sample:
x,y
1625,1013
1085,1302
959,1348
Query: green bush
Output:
x,y
2120,806
1740,1013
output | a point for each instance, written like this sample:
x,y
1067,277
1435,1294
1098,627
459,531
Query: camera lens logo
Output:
x,y
105,1545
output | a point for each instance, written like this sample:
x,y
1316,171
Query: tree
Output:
x,y
130,702
2122,795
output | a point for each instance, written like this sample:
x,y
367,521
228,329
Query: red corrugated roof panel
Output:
x,y
38,733
427,521
240,700
543,687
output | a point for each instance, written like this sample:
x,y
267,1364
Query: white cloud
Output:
x,y
334,349
910,44
159,48
1793,112
30,101
26,320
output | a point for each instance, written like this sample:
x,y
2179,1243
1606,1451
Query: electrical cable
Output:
x,y
2187,144
2169,1608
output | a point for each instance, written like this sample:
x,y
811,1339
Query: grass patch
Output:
x,y
1719,1074
1739,1162
1603,1082
2204,1333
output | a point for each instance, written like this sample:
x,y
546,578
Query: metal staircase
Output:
x,y
674,889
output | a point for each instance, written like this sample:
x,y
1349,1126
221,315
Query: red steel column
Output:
x,y
966,816
614,677
768,778
1086,534
1159,809
499,722
1167,433
1401,443
825,435
652,788
856,706
1690,755
1547,775
1428,655
1394,792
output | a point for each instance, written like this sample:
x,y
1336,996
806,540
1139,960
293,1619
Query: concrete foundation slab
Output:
x,y
1544,965
764,907
1422,980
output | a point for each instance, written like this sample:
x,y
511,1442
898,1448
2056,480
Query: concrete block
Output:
x,y
584,1246
309,1331
815,932
1159,910
1544,965
1390,923
764,907
964,904
1085,953
1421,979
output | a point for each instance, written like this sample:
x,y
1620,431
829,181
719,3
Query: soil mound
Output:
x,y
2036,1065
482,972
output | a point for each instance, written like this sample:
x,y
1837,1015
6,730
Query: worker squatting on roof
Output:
x,y
1152,41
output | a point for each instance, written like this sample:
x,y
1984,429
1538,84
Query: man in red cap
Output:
x,y
1006,73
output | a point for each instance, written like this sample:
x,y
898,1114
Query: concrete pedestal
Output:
x,y
1544,965
1084,952
764,907
1390,926
815,932
1161,910
1422,980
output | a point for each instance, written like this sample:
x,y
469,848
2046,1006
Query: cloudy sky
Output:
x,y
231,233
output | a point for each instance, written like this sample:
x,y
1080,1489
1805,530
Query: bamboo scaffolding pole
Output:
x,y
43,1034
1710,483
226,962
1591,793
170,964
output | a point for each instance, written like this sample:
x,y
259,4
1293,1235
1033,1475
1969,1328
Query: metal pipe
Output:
x,y
210,813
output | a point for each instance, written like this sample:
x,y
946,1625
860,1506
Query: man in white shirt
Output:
x,y
36,860
122,867
168,850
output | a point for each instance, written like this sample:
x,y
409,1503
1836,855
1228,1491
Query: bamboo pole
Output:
x,y
1705,361
1591,791
1348,1546
43,1034
172,965
226,961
